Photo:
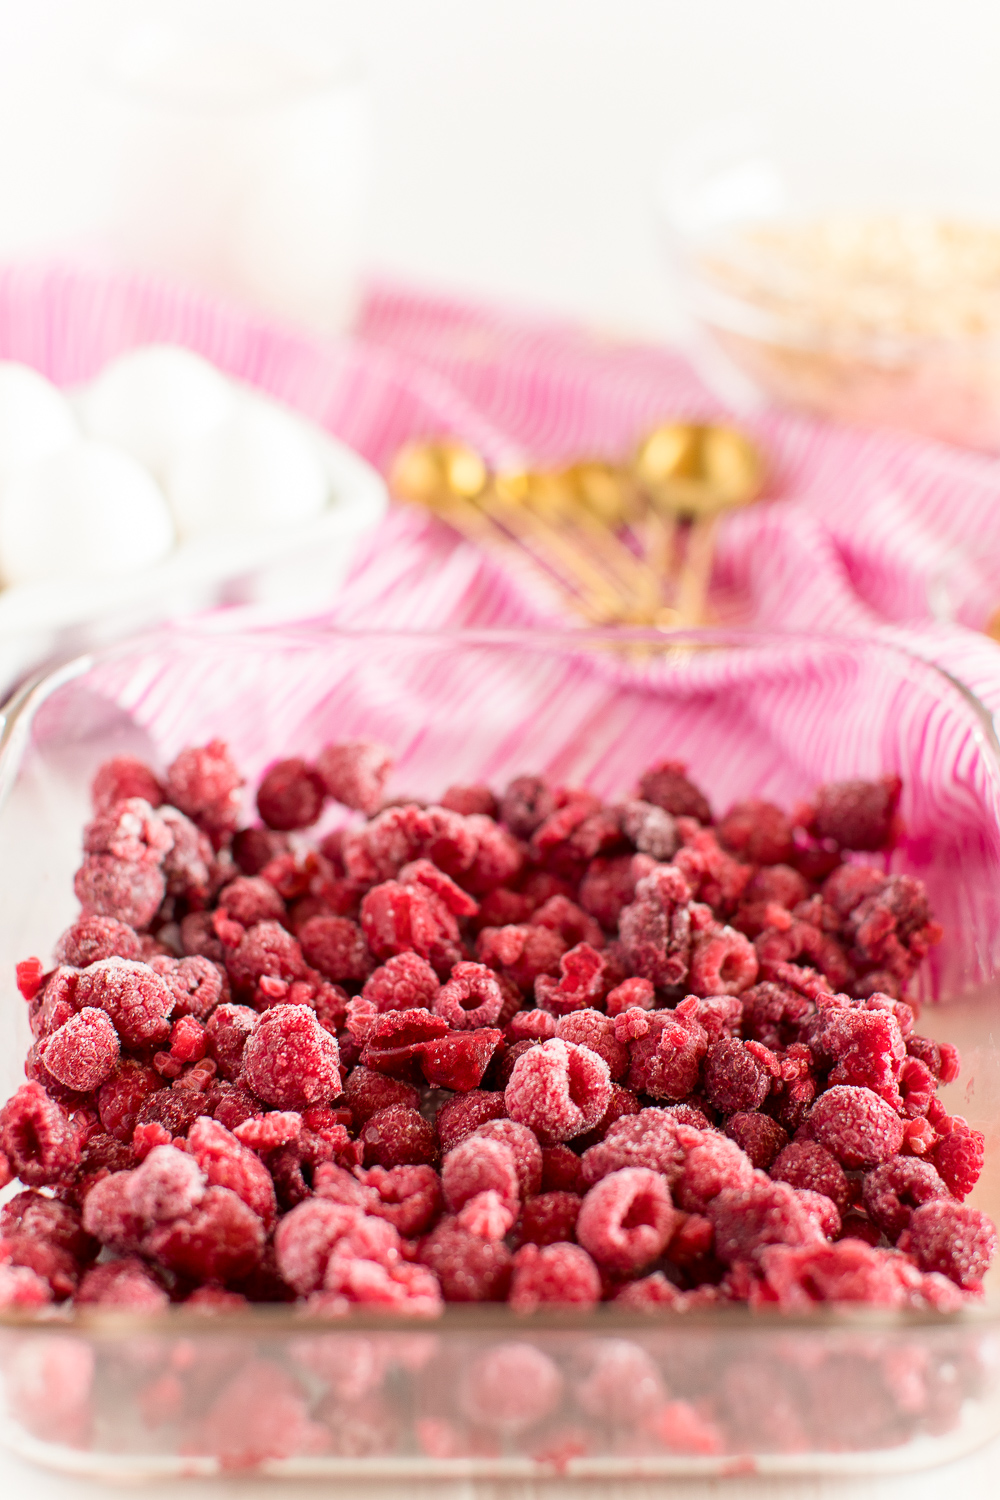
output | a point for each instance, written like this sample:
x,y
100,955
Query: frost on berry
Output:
x,y
666,1057
398,1136
712,1164
123,777
524,1147
404,982
397,918
130,892
953,1239
893,1190
555,1273
135,999
355,773
655,929
477,1166
589,1028
248,900
291,795
460,1116
723,962
858,1127
850,1271
131,832
858,814
867,1048
304,1241
758,832
265,949
407,1197
93,938
468,1267
397,1040
471,998
626,1219
204,784
168,1184
804,1164
290,1061
668,786
218,1240
336,947
459,1061
747,1219
226,1033
647,1139
549,1218
959,1155
735,1078
83,1052
581,985
558,1089
188,864
227,1163
125,1284
122,1096
631,994
758,1135
521,953
196,985
36,1138
368,1091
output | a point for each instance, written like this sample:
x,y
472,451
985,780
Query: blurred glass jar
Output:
x,y
850,271
222,145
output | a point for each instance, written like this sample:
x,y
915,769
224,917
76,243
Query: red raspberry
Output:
x,y
111,1216
204,784
893,1190
422,873
198,936
502,908
226,1034
648,1139
129,892
174,1108
958,1155
723,962
952,1238
524,1147
558,1090
470,799
83,1052
561,1170
124,1284
136,1000
712,1164
758,832
167,1185
407,1197
560,1274
747,1219
404,982
480,1166
609,885
850,1271
188,865
470,999
398,1136
459,1061
773,1014
459,1117
666,1059
37,1139
121,778
398,1039
219,1240
632,994
249,900
470,1269
30,1215
132,832
531,1026
291,795
589,1028
355,773
575,926
305,1238
649,828
265,948
255,848
121,1098
187,1040
520,953
549,1218
94,938
758,1135
858,814
405,1289
734,1078
858,1127
868,1048
337,948
396,918
668,786
290,1061
196,984
626,1219
621,1104
650,1294
263,1133
368,1091
582,984
655,930
714,876
229,1164
806,1165
526,803
47,1262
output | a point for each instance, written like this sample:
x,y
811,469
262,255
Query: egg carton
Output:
x,y
287,563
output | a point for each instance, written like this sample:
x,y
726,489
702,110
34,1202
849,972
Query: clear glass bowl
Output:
x,y
766,323
482,1392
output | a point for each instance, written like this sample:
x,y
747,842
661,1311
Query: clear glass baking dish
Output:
x,y
483,1393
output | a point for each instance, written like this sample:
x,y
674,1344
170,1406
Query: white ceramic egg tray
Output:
x,y
293,569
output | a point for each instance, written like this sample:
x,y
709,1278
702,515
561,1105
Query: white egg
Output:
x,y
87,511
154,401
257,470
35,419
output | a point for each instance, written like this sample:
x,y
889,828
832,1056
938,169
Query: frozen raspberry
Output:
x,y
722,963
549,1218
249,900
129,892
204,784
758,1135
477,1166
470,799
265,948
407,1197
168,1184
196,985
953,1239
470,1269
290,1061
121,778
521,953
621,1104
666,1058
868,1048
558,1090
632,994
409,1290
502,908
470,999
94,938
524,1147
29,973
30,1215
849,1271
649,828
958,1155
650,1294
668,786
747,1219
575,926
486,1215
893,1190
589,1028
263,1133
22,1287
561,1170
122,1096
228,1163
226,1034
526,803
254,848
337,948
758,832
404,982
858,814
497,858
199,938
648,1139
531,1026
291,795
803,944
36,1137
773,1014
132,832
421,872
305,1238
555,1272
367,1091
460,1061
655,930
858,1127
188,1042
397,918
219,1240
712,1163
111,1216
188,864
459,1117
806,1165
397,1040
398,1136
626,1219
125,1284
136,1000
174,1108
582,984
892,929
355,774
609,885
734,1078
83,1052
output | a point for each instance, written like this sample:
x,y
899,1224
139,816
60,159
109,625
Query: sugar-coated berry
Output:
x,y
84,1051
558,1089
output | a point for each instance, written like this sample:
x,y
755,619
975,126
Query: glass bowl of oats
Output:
x,y
841,273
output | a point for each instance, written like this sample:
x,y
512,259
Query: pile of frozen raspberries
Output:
x,y
533,1049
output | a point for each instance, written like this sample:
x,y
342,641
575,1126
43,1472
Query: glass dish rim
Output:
x,y
267,1319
